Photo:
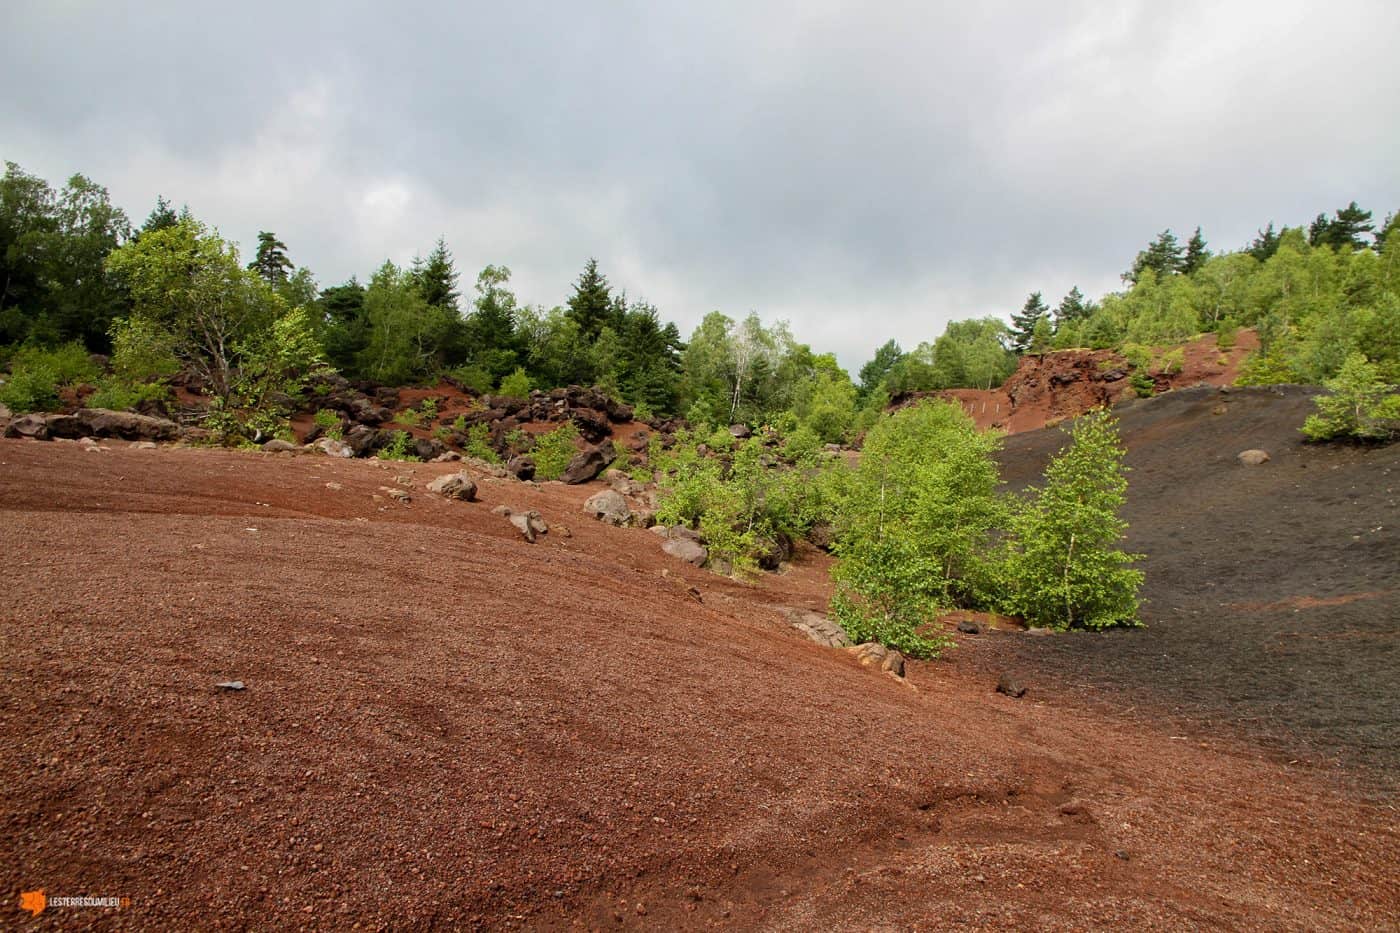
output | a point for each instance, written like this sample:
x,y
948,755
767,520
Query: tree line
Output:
x,y
172,294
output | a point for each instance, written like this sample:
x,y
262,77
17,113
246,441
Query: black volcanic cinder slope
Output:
x,y
1273,592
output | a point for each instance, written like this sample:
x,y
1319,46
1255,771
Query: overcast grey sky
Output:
x,y
863,170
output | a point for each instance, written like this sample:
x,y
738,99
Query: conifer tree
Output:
x,y
1196,253
271,262
436,278
1072,308
591,305
1023,323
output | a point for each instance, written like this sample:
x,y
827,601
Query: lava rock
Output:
x,y
454,486
1010,686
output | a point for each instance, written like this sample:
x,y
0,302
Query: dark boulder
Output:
x,y
362,440
34,426
521,467
427,448
776,550
587,464
592,425
127,425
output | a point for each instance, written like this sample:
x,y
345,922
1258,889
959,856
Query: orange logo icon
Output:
x,y
33,901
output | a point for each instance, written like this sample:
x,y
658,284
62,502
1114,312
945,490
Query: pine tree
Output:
x,y
1196,253
162,215
1023,323
1072,308
1265,244
271,262
1350,228
1163,256
436,278
591,305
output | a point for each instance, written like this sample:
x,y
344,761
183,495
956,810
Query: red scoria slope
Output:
x,y
1048,388
446,726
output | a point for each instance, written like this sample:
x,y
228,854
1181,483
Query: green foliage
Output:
x,y
36,375
516,385
553,451
409,418
1143,384
398,448
1064,569
1025,321
187,283
1226,336
142,350
271,262
1359,406
915,525
120,395
478,443
406,332
329,422
742,506
30,388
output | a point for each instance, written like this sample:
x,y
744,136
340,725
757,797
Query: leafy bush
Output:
x,y
1063,568
1358,406
740,508
1173,361
398,448
120,395
30,388
409,418
915,525
516,385
142,350
36,375
553,451
478,442
1226,336
476,378
329,422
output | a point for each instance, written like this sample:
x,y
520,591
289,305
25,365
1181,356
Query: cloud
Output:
x,y
863,170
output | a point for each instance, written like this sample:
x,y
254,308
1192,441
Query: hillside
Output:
x,y
444,725
1047,388
1272,597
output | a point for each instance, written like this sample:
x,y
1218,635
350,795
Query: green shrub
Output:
x,y
914,526
1142,384
142,350
553,451
36,375
478,442
1063,567
475,378
1358,406
409,418
398,448
30,388
329,422
741,508
641,411
1226,336
516,385
1173,361
120,395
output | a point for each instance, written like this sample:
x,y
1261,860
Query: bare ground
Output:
x,y
445,726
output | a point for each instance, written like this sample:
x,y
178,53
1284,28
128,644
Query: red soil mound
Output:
x,y
1051,387
445,726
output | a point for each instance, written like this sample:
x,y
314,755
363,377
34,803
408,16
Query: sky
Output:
x,y
862,170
